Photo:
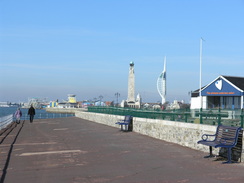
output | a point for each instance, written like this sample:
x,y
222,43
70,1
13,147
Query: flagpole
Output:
x,y
200,82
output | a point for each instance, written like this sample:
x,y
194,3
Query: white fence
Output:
x,y
5,121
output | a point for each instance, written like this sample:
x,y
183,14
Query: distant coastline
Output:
x,y
6,104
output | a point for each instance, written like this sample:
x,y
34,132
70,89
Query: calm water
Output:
x,y
40,113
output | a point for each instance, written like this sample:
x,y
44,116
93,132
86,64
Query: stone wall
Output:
x,y
64,110
185,134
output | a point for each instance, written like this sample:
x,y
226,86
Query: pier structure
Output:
x,y
78,150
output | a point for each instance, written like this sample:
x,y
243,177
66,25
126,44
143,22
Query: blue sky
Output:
x,y
52,48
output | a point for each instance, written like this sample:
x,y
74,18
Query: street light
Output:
x,y
100,97
117,96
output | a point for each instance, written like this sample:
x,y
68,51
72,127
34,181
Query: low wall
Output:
x,y
64,110
185,134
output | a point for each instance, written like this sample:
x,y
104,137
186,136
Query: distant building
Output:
x,y
70,103
53,104
4,104
225,92
71,98
67,105
161,83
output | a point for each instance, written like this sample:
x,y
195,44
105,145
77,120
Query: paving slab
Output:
x,y
74,150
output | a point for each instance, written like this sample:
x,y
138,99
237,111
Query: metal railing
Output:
x,y
5,121
210,117
25,116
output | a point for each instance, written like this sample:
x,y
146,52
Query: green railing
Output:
x,y
210,117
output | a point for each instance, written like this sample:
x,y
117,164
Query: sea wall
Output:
x,y
185,134
64,110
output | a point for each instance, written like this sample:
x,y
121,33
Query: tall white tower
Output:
x,y
131,84
161,83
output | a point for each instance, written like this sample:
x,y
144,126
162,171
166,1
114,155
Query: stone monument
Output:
x,y
131,101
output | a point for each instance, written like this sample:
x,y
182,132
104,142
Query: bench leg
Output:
x,y
125,129
229,156
210,153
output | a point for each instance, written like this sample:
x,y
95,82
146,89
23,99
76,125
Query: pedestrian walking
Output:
x,y
32,113
18,115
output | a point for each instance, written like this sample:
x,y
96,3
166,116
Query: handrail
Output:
x,y
5,121
211,117
25,116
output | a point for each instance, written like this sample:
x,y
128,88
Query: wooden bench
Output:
x,y
225,136
127,123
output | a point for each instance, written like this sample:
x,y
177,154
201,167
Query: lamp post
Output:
x,y
100,97
95,99
117,96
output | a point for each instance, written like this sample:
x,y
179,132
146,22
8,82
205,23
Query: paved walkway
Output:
x,y
73,150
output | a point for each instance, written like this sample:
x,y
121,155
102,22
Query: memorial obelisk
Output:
x,y
131,84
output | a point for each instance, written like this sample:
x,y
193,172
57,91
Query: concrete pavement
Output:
x,y
73,150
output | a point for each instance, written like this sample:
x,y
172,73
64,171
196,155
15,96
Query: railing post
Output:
x,y
219,117
186,117
241,118
173,117
200,114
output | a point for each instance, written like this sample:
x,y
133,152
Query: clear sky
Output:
x,y
51,48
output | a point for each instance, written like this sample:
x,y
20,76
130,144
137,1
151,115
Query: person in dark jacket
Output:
x,y
31,112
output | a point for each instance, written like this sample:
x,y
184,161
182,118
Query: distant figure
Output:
x,y
31,112
18,115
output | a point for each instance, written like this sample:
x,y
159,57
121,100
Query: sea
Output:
x,y
40,113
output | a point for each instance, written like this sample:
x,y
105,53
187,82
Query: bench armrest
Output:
x,y
121,121
205,136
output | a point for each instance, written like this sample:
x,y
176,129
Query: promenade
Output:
x,y
73,150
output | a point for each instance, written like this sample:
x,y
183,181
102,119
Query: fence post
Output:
x,y
173,117
219,117
200,114
185,116
241,118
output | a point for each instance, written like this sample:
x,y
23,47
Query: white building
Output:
x,y
225,92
